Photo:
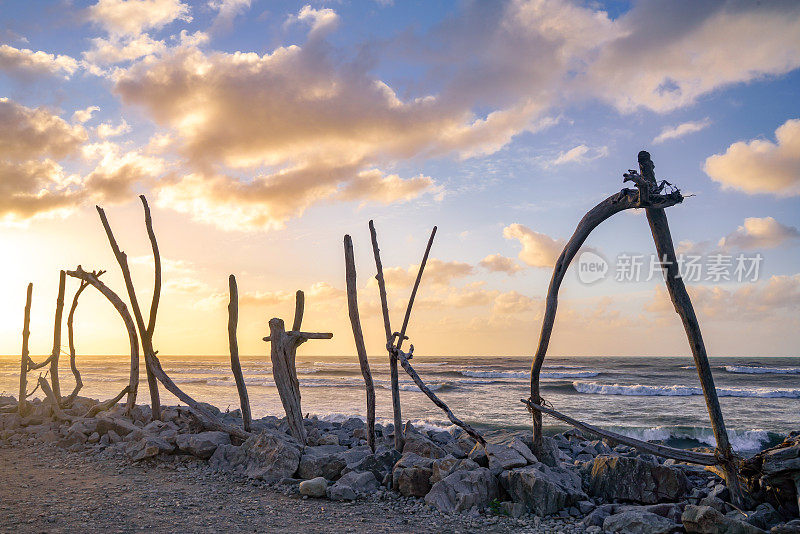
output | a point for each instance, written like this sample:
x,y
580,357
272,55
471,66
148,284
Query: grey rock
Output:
x,y
379,464
419,444
203,444
316,487
328,439
462,490
631,479
322,461
411,475
639,522
706,520
119,425
792,527
441,468
147,447
513,509
544,490
353,484
764,516
270,456
502,457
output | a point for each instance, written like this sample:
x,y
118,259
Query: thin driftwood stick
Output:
x,y
625,199
106,405
358,336
62,277
147,347
299,308
93,280
651,448
71,338
23,370
398,417
285,376
54,402
236,367
403,357
414,290
659,227
151,323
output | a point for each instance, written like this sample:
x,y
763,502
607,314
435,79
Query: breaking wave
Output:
x,y
527,374
741,440
640,390
758,370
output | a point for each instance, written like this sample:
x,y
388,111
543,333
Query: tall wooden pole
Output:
x,y
23,371
236,367
62,276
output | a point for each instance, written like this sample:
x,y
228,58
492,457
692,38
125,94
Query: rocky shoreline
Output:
x,y
441,478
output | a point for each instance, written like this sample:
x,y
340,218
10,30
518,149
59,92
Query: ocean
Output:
x,y
644,397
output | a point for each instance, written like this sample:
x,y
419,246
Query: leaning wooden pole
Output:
x,y
62,277
422,264
625,199
71,340
665,248
23,371
395,381
152,384
358,336
233,344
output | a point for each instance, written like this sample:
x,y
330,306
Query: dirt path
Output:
x,y
46,489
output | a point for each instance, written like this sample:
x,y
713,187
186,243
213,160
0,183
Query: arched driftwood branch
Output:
x,y
94,280
358,336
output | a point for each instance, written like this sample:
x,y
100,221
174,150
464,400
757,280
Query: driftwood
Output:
x,y
71,339
106,405
681,455
236,367
398,417
55,405
144,333
407,317
23,370
94,280
648,196
404,361
358,336
57,337
283,354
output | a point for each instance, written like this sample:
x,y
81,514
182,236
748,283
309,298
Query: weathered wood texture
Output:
x,y
651,448
625,199
282,355
358,336
71,340
407,317
236,367
396,410
94,280
404,357
151,322
23,370
54,380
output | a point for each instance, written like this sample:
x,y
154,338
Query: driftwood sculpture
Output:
x,y
236,367
23,371
358,335
283,354
649,196
395,340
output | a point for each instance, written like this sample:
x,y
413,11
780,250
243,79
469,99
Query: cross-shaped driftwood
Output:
x,y
394,343
284,371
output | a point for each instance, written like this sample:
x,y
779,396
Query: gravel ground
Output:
x,y
47,489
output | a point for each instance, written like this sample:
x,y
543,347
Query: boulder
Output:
x,y
379,464
764,516
441,468
502,458
316,487
147,447
792,527
639,522
544,490
270,456
462,490
706,520
411,475
353,484
322,461
328,439
121,426
201,445
418,444
631,479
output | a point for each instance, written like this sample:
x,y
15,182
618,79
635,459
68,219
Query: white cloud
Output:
x,y
759,233
500,263
761,166
681,130
106,129
538,250
120,50
23,62
580,154
320,21
84,115
227,11
132,17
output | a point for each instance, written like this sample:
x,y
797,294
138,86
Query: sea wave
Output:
x,y
527,374
759,370
641,390
741,440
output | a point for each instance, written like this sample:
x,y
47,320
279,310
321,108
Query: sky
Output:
x,y
264,131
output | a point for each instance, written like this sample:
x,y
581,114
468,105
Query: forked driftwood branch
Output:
x,y
647,196
236,367
644,446
395,382
283,353
358,336
92,278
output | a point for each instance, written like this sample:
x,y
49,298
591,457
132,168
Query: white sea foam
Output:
x,y
758,370
641,390
527,374
741,440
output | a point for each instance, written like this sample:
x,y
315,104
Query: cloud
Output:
x,y
761,166
120,50
106,129
374,186
512,302
29,133
84,115
500,263
118,171
580,154
132,17
320,21
759,233
538,250
683,129
22,62
437,272
227,11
